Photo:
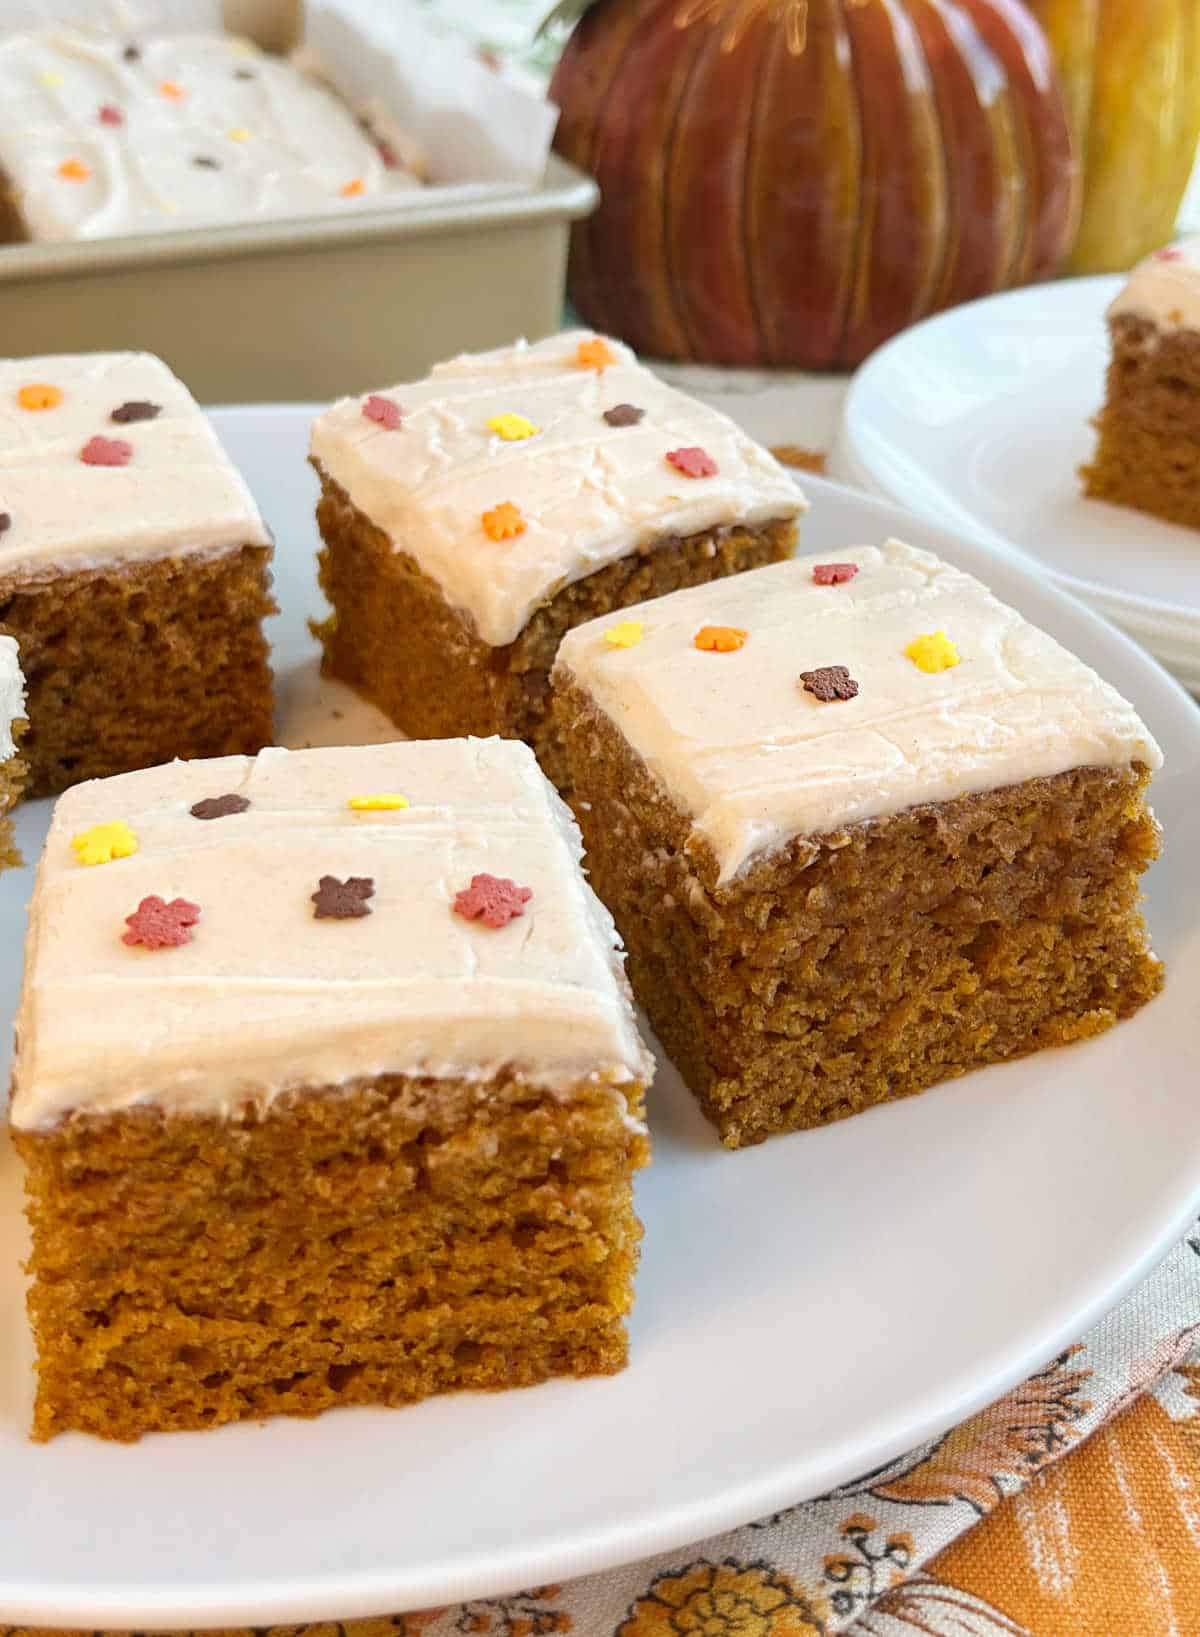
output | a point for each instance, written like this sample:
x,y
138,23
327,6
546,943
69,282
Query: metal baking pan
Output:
x,y
306,309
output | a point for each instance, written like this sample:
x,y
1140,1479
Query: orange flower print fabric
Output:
x,y
728,1599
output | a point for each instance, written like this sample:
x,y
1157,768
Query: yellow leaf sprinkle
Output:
x,y
104,842
933,652
385,803
625,634
50,78
512,428
238,134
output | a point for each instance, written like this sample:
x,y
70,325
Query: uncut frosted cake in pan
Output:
x,y
328,1087
861,826
472,518
134,570
105,135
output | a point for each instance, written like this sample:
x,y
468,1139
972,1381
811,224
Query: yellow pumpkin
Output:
x,y
1131,76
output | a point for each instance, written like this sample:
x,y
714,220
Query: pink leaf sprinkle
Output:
x,y
100,451
111,115
491,900
384,410
833,573
158,925
1169,254
693,462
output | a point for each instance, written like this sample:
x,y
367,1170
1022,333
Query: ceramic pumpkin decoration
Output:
x,y
1131,74
792,181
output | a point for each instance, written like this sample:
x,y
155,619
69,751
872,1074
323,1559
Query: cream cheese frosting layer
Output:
x,y
755,760
12,695
1165,288
266,997
189,130
178,491
587,492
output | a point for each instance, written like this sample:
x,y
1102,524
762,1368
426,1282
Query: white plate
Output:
x,y
806,1310
980,417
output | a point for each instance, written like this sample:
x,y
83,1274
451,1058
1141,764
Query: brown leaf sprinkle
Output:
x,y
829,682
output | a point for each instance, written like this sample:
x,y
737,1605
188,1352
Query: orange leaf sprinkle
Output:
x,y
594,354
172,90
719,639
39,395
503,522
74,170
354,188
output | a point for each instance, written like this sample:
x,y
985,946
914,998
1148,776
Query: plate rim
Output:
x,y
329,1595
1134,610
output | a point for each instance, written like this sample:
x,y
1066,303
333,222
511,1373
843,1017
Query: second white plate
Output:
x,y
980,417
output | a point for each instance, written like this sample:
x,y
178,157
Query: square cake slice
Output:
x,y
328,1088
134,570
13,769
472,518
862,828
1148,453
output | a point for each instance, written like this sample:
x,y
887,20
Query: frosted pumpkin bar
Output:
x,y
1148,452
134,570
328,1088
862,828
472,518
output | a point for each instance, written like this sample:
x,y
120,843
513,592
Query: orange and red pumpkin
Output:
x,y
791,182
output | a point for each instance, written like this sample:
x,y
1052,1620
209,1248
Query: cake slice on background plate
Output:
x,y
1148,453
861,826
328,1088
472,518
134,570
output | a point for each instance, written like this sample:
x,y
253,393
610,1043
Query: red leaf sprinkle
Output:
x,y
110,115
384,410
100,451
492,900
692,462
156,924
833,573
